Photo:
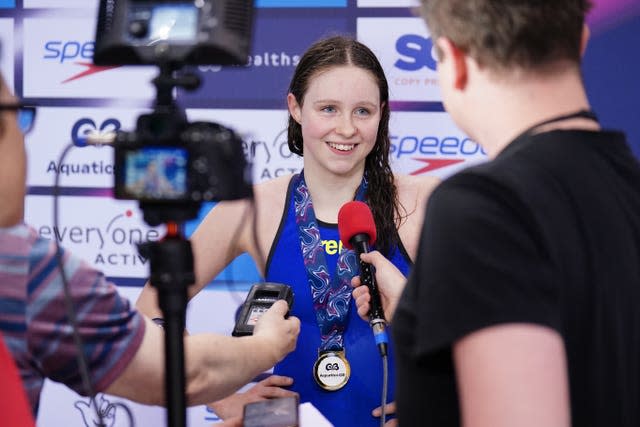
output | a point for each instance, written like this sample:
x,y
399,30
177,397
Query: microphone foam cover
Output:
x,y
355,218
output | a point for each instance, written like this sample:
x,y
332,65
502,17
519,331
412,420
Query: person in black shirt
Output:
x,y
521,309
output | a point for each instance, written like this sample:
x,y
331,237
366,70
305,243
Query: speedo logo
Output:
x,y
434,152
78,52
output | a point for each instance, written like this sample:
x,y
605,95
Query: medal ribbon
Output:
x,y
331,296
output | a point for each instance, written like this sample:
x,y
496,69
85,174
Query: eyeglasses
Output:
x,y
26,115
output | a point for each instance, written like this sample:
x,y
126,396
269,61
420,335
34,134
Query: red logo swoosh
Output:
x,y
433,164
91,69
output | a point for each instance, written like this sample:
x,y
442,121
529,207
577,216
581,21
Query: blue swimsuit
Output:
x,y
351,405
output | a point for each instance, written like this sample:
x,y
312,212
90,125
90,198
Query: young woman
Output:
x,y
339,122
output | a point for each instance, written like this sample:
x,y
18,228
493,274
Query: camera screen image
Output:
x,y
177,22
155,173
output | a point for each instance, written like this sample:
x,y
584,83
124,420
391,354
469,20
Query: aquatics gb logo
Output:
x,y
85,126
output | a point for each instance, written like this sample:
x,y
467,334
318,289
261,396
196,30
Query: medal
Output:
x,y
331,371
331,294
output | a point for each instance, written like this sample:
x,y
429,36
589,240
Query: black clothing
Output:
x,y
547,233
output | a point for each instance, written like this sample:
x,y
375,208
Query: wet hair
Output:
x,y
508,34
382,195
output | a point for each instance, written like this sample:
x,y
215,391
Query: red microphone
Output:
x,y
356,218
358,231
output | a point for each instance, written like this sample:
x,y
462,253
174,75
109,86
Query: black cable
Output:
x,y
71,312
385,377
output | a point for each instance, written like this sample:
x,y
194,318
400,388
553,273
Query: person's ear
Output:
x,y
452,57
584,40
294,107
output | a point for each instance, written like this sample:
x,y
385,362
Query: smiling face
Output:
x,y
339,117
12,163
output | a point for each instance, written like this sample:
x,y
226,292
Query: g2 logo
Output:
x,y
332,367
85,126
418,52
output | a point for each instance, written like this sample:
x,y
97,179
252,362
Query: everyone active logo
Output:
x,y
112,244
271,159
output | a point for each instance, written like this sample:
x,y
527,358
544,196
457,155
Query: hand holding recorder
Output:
x,y
279,334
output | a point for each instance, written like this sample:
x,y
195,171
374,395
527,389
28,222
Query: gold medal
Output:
x,y
331,371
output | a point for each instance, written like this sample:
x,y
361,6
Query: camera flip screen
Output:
x,y
155,173
178,22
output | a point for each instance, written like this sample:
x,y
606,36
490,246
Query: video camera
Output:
x,y
169,164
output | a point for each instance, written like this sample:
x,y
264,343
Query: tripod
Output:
x,y
171,263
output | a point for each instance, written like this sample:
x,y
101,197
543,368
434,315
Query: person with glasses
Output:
x,y
123,349
25,115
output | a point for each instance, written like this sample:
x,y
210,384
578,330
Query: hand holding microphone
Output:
x,y
358,231
390,283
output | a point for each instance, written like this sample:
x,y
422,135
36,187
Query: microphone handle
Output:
x,y
376,314
368,278
360,243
